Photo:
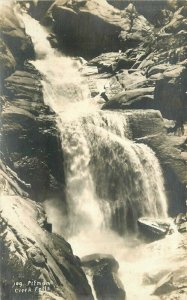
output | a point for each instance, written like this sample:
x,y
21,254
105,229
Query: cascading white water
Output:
x,y
110,180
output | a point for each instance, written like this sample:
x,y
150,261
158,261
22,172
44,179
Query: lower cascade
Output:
x,y
111,181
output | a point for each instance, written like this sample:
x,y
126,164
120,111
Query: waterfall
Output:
x,y
111,181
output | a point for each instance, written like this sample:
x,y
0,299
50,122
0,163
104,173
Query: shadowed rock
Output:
x,y
103,270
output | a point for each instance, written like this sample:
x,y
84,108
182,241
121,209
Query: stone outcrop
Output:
x,y
30,137
42,262
89,28
136,98
103,270
137,28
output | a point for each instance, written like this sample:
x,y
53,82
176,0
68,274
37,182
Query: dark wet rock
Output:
x,y
170,93
153,229
96,24
90,21
165,285
103,270
39,9
94,260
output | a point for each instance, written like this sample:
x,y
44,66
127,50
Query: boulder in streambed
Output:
x,y
103,270
153,229
165,285
140,98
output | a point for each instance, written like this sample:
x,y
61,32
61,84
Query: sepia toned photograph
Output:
x,y
93,150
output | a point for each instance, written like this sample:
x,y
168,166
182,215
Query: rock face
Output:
x,y
89,28
103,271
170,93
29,251
15,45
150,10
137,28
165,69
7,61
13,34
30,137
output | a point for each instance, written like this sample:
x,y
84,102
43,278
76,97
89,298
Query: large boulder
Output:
x,y
103,269
87,27
91,27
137,98
153,229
